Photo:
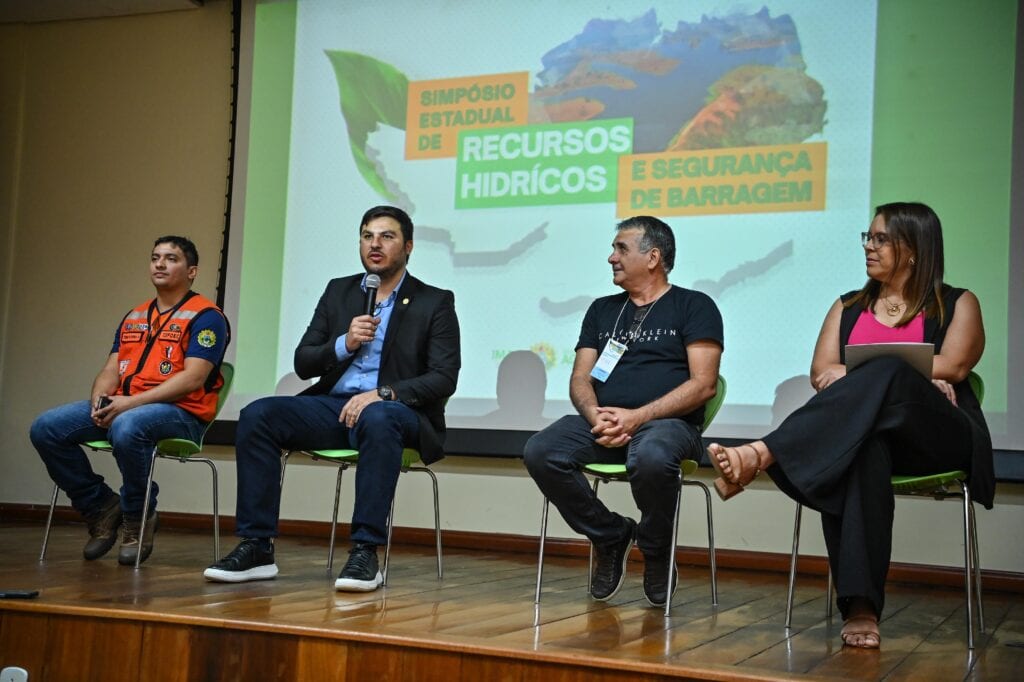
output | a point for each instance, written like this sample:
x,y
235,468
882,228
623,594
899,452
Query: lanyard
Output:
x,y
638,318
153,333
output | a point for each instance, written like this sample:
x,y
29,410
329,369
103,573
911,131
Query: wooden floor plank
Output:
x,y
479,622
1002,657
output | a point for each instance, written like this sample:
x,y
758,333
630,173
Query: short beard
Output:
x,y
385,273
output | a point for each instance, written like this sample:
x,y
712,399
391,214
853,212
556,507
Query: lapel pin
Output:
x,y
405,301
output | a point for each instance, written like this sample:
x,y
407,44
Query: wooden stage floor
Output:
x,y
98,620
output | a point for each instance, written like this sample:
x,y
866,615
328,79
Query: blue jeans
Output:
x,y
271,425
58,433
555,456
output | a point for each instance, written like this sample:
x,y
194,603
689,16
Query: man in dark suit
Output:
x,y
384,379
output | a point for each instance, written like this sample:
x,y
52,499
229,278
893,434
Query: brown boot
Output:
x,y
130,532
103,525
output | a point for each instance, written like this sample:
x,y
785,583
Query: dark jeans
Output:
x,y
310,422
555,456
58,433
837,454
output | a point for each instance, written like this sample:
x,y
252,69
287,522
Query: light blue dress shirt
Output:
x,y
362,374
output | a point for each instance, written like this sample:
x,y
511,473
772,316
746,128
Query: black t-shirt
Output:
x,y
655,361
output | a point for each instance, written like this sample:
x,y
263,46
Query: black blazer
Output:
x,y
420,359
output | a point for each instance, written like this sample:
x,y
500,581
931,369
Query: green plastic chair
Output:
x,y
937,486
181,449
344,459
607,473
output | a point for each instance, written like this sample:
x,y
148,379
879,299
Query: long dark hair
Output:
x,y
913,226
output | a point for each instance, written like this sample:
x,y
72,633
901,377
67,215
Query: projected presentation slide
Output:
x,y
517,135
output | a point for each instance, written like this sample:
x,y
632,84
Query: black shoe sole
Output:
x,y
356,585
220,575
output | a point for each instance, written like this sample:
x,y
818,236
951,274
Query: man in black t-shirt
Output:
x,y
646,363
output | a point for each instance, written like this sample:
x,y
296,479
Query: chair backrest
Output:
x,y
712,406
977,385
227,370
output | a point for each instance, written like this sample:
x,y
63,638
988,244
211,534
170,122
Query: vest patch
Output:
x,y
166,367
131,337
206,338
170,335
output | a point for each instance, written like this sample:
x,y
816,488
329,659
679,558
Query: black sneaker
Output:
x,y
610,565
247,561
361,573
103,525
131,532
656,579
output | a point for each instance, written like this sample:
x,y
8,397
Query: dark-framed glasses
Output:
x,y
877,240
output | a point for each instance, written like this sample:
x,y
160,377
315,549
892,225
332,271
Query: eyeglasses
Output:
x,y
877,240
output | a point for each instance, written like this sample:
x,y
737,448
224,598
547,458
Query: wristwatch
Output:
x,y
385,393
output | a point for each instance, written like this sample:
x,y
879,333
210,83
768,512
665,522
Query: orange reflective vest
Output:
x,y
152,348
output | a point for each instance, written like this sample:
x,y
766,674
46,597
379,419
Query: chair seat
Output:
x,y
618,472
410,456
182,449
168,447
933,485
178,447
687,466
343,458
911,484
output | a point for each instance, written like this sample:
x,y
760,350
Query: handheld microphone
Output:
x,y
372,283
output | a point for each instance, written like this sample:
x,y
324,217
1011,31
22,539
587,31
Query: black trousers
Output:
x,y
837,454
555,457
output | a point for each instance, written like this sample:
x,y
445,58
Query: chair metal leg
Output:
x,y
672,550
968,552
675,540
711,540
829,590
590,557
437,518
794,555
334,517
216,510
437,524
977,571
145,508
284,463
387,547
49,522
437,528
540,553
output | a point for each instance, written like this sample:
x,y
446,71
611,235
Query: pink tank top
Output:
x,y
869,330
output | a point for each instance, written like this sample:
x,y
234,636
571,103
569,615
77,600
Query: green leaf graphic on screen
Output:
x,y
372,93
